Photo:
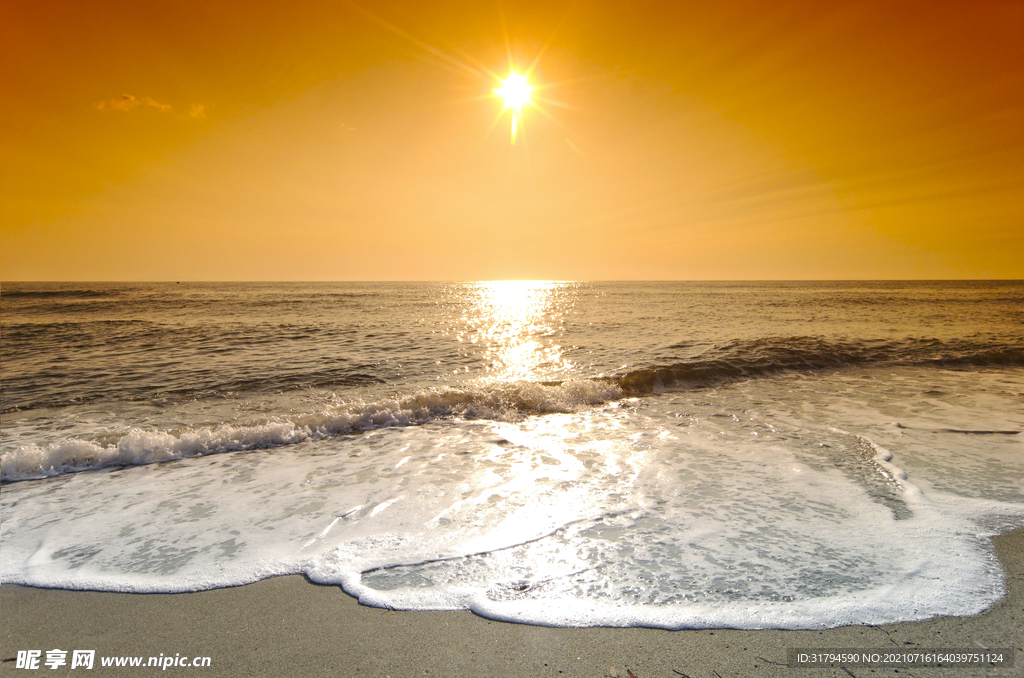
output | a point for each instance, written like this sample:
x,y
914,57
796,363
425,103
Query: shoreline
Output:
x,y
290,626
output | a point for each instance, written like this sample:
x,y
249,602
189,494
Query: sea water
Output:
x,y
674,455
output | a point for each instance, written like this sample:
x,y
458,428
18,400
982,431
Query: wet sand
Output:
x,y
287,626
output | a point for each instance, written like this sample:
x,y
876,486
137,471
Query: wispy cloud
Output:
x,y
197,111
128,102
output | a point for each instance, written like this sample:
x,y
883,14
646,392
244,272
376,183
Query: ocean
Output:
x,y
670,455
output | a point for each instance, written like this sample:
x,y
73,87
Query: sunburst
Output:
x,y
516,92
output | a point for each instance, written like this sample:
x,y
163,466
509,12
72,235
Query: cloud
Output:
x,y
127,102
197,111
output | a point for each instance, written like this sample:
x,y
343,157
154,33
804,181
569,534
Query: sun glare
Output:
x,y
515,90
514,319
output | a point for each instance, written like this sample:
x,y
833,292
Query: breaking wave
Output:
x,y
499,401
506,401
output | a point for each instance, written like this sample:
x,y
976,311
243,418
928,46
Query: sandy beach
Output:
x,y
287,626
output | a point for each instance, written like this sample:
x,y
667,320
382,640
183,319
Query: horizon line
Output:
x,y
477,280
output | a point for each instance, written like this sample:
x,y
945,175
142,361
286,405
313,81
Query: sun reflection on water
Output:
x,y
518,325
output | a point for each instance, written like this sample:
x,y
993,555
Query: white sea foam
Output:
x,y
664,511
496,401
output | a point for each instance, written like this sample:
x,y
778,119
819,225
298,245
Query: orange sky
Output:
x,y
707,140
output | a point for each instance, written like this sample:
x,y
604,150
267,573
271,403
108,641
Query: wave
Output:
x,y
500,401
751,359
204,387
58,294
997,357
121,368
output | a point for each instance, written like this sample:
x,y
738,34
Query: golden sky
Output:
x,y
679,140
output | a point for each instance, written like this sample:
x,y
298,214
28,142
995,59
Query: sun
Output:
x,y
515,90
